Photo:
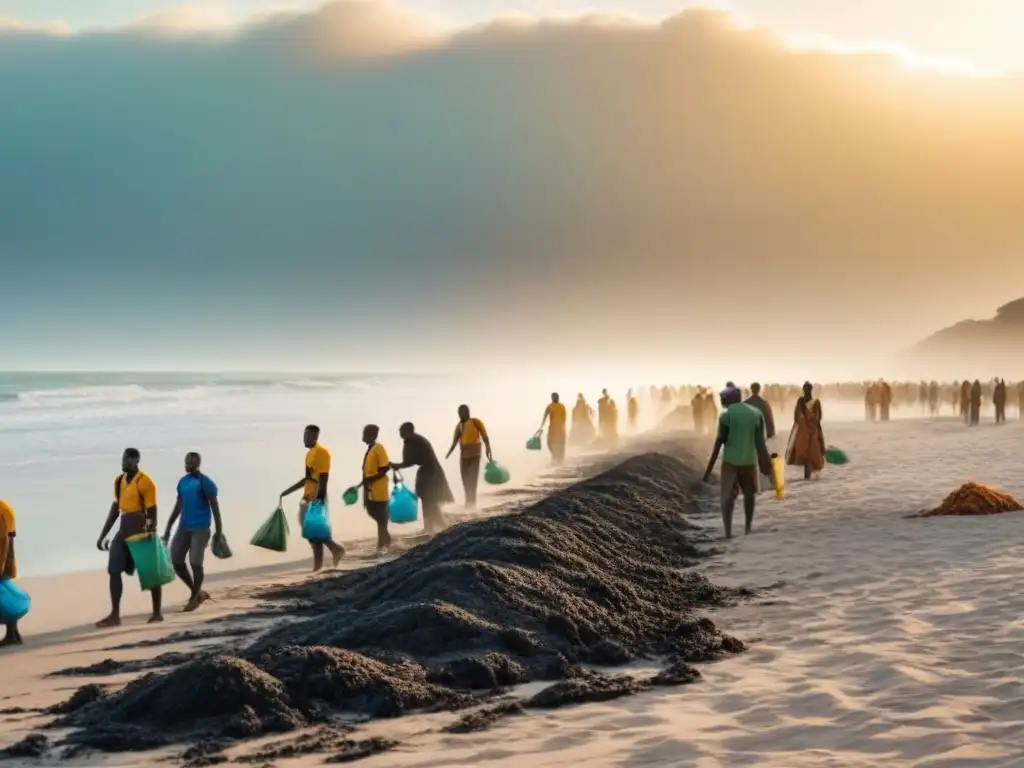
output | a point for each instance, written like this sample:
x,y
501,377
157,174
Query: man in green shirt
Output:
x,y
741,434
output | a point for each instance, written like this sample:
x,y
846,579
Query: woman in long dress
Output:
x,y
806,446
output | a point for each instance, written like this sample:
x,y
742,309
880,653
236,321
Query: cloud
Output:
x,y
573,187
10,26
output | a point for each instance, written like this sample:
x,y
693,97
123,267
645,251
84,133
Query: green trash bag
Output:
x,y
495,474
152,563
273,534
219,547
351,496
834,455
534,443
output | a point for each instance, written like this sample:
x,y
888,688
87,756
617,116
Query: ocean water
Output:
x,y
62,435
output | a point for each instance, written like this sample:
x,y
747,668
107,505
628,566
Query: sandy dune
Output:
x,y
877,640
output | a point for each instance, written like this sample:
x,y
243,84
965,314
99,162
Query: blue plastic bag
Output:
x,y
316,525
404,506
14,602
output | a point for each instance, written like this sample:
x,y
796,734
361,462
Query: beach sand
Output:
x,y
873,639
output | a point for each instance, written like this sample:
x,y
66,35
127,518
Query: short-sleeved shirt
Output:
x,y
743,422
195,492
137,495
7,514
318,462
376,459
469,433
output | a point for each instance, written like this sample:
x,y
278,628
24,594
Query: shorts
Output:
x,y
119,559
378,510
190,544
736,479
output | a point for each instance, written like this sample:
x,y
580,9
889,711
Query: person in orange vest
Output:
x,y
8,565
472,440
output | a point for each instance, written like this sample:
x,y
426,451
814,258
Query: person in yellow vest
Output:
x,y
134,509
472,439
8,565
314,488
555,415
375,485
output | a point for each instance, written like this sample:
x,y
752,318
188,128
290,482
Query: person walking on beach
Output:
x,y
755,400
8,566
556,415
134,509
375,485
314,488
975,393
965,401
472,439
999,400
431,482
198,508
632,410
806,446
741,435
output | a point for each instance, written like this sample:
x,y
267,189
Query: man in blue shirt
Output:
x,y
197,505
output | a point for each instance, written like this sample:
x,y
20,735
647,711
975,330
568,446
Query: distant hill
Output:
x,y
996,344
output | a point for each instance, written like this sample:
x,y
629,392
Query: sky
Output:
x,y
372,185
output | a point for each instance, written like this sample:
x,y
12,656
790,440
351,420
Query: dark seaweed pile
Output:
x,y
591,574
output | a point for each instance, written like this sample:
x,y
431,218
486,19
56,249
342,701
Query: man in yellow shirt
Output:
x,y
375,484
472,439
314,488
555,415
134,506
8,565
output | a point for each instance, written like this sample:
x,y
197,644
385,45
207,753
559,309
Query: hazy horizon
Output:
x,y
351,186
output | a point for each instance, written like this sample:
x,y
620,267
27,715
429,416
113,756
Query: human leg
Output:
x,y
728,493
118,561
470,468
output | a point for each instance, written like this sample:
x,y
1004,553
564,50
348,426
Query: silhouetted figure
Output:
x,y
884,399
965,400
999,400
933,398
764,407
975,404
431,482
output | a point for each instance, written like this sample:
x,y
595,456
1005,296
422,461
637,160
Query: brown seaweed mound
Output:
x,y
596,573
974,499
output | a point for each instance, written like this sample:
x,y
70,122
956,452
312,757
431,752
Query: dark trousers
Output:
x,y
975,414
378,511
1000,413
470,468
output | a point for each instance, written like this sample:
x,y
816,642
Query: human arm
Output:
x,y
293,488
485,438
218,525
378,466
112,516
409,457
5,540
321,487
173,518
543,421
764,458
720,441
455,441
769,421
